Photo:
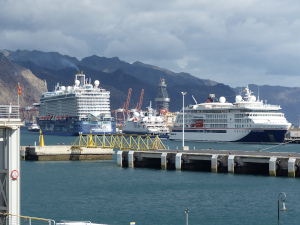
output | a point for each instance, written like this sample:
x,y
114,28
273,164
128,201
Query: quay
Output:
x,y
84,148
217,161
90,147
64,152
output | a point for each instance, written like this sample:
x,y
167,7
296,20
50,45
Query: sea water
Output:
x,y
101,192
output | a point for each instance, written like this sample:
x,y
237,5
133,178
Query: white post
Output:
x,y
214,163
231,164
120,158
291,167
163,161
183,94
131,159
272,166
178,161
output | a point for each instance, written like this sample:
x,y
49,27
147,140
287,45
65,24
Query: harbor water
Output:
x,y
102,192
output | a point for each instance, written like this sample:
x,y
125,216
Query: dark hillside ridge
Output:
x,y
118,76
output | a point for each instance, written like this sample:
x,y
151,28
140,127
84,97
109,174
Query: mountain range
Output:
x,y
38,71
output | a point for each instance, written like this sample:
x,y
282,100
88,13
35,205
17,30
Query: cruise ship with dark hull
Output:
x,y
248,120
79,109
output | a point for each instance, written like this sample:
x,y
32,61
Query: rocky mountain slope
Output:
x,y
118,76
10,75
31,68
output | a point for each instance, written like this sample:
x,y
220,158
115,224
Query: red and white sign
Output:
x,y
14,174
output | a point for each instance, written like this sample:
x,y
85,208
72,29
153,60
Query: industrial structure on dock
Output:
x,y
162,100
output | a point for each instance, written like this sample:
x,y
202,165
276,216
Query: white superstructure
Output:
x,y
146,123
80,100
247,120
81,108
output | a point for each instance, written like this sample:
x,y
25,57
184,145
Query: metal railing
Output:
x,y
122,142
10,219
9,112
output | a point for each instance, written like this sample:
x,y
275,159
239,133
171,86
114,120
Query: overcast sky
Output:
x,y
235,42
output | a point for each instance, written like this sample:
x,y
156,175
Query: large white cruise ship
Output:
x,y
246,120
81,108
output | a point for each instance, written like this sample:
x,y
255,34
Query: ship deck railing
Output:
x,y
119,141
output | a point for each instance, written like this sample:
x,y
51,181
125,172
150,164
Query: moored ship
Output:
x,y
147,123
246,120
79,109
33,128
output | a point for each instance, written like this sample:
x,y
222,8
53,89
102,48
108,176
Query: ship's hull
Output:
x,y
230,135
33,129
73,127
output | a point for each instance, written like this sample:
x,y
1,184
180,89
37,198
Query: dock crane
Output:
x,y
126,105
139,104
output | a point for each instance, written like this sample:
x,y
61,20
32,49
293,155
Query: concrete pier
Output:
x,y
65,152
217,161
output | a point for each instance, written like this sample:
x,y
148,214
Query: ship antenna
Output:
x,y
257,92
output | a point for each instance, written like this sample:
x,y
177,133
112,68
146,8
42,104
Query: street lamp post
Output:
x,y
187,215
183,94
281,197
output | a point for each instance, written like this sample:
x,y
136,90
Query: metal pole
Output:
x,y
278,211
281,197
183,94
187,216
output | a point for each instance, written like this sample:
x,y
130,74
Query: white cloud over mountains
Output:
x,y
234,42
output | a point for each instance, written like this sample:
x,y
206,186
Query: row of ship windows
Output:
x,y
241,131
260,114
216,121
205,131
225,116
217,131
242,121
242,126
217,116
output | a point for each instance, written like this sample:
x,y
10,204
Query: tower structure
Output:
x,y
162,100
10,124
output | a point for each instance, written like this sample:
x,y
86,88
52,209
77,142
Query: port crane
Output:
x,y
126,105
139,104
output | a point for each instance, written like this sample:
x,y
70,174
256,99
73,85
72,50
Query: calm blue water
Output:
x,y
102,192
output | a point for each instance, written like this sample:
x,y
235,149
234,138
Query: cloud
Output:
x,y
233,42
